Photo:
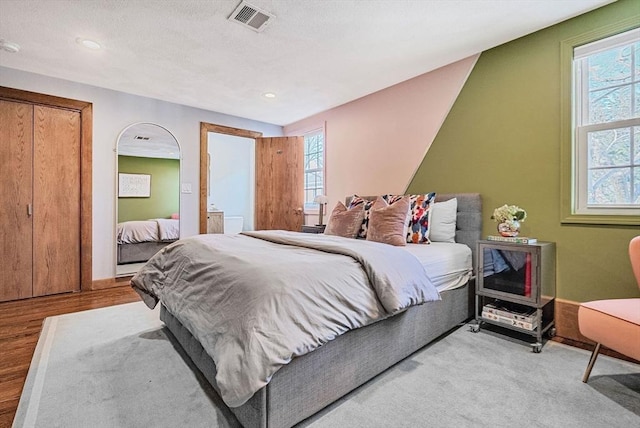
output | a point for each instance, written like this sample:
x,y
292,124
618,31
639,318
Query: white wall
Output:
x,y
232,176
112,112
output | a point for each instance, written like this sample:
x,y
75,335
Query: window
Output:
x,y
313,167
606,121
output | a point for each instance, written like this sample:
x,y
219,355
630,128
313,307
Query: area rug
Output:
x,y
119,367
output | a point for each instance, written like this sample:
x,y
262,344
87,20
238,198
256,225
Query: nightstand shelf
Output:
x,y
516,288
318,228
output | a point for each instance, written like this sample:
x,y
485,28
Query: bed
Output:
x,y
139,240
310,382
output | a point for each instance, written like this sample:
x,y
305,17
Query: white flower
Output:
x,y
509,214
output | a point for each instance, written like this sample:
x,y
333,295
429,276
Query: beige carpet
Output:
x,y
118,367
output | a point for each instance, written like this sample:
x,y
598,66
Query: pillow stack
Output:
x,y
396,219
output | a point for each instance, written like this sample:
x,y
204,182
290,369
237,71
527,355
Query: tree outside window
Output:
x,y
607,126
313,167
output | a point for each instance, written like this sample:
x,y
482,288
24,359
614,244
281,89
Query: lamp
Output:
x,y
321,200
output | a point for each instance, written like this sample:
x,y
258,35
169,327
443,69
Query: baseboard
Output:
x,y
101,284
567,321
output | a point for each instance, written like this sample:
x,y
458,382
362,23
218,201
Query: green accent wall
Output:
x,y
165,188
502,139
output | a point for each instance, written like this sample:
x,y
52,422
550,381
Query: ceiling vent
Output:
x,y
251,16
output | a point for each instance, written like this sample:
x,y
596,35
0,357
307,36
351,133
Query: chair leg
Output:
x,y
592,360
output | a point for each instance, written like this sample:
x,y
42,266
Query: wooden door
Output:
x,y
16,137
279,183
56,201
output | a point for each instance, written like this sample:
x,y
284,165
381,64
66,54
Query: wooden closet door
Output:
x,y
279,183
16,135
56,201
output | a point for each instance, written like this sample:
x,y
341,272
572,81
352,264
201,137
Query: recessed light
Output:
x,y
89,44
9,46
269,95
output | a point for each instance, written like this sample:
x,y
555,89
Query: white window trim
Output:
x,y
301,132
571,162
581,205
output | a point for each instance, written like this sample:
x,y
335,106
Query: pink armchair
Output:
x,y
614,323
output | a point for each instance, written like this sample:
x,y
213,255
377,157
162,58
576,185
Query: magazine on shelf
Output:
x,y
514,239
512,311
510,321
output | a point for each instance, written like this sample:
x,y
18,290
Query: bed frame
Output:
x,y
139,252
313,381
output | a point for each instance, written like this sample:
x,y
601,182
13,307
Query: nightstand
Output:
x,y
516,287
318,228
215,222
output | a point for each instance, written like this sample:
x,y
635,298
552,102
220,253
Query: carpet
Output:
x,y
118,367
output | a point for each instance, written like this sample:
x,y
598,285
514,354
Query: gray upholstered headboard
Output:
x,y
468,219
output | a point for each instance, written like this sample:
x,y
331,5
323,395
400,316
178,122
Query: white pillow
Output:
x,y
442,227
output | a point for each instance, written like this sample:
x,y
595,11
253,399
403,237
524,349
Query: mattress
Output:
x,y
448,265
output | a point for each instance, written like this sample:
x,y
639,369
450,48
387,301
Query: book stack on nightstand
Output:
x,y
511,314
514,239
318,228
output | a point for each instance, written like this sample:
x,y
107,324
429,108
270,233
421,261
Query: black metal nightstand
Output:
x,y
318,228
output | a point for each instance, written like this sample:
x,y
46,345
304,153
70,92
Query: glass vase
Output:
x,y
509,228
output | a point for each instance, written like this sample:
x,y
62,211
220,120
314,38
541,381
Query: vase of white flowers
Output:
x,y
509,218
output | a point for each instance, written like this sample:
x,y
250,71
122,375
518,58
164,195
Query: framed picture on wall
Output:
x,y
134,185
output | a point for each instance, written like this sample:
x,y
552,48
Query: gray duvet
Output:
x,y
254,301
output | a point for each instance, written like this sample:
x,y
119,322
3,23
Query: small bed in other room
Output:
x,y
139,240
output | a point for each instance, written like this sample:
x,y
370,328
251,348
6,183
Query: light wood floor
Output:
x,y
20,326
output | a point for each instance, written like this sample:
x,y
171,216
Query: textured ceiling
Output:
x,y
315,55
148,140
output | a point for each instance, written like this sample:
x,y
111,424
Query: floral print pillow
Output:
x,y
417,230
357,201
420,212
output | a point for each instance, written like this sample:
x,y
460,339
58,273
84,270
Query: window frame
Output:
x,y
571,164
313,208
